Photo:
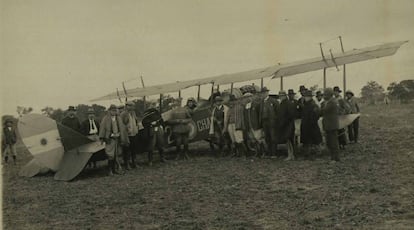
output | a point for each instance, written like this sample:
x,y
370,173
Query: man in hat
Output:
x,y
310,134
129,118
330,122
235,126
319,98
114,134
353,128
215,93
191,104
9,141
71,120
296,108
286,124
180,120
301,101
254,131
218,122
154,133
269,111
343,109
90,128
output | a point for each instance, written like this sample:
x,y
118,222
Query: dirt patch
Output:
x,y
371,188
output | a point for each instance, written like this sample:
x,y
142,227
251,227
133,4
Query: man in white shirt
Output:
x,y
90,128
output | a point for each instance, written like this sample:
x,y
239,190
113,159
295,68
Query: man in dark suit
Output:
x,y
301,100
71,120
296,109
90,128
254,131
9,141
269,111
330,122
286,124
310,134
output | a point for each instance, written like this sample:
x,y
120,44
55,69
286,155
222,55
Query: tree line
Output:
x,y
402,92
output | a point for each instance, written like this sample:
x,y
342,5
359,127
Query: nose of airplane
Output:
x,y
41,137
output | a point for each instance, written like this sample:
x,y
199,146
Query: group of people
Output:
x,y
256,123
118,129
259,122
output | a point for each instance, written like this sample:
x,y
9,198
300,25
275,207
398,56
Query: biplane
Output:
x,y
66,152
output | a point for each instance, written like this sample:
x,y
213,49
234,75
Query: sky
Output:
x,y
60,53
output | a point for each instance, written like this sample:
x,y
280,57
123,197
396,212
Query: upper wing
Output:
x,y
274,71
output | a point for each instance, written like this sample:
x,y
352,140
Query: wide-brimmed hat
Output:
x,y
72,108
349,92
90,111
337,89
302,87
218,98
282,93
291,92
112,107
319,93
191,99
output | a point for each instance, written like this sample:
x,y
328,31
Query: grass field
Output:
x,y
371,188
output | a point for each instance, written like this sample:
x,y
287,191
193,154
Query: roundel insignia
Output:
x,y
193,130
43,141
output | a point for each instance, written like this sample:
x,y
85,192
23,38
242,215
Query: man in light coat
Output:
x,y
330,122
114,134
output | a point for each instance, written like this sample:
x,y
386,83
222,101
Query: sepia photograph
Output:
x,y
207,114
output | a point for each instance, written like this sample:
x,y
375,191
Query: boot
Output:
x,y
186,152
162,158
6,159
186,155
178,152
110,167
150,158
126,162
133,161
14,160
115,170
233,150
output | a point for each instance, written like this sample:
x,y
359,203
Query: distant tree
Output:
x,y
372,92
403,91
21,110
